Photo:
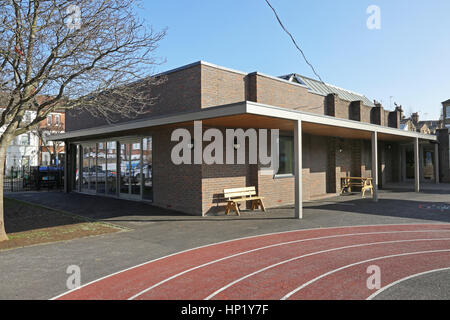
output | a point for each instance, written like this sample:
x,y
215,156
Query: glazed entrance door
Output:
x,y
130,164
87,176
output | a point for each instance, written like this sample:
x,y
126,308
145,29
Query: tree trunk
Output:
x,y
3,236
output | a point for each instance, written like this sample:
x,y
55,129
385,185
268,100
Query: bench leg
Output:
x,y
236,208
228,208
232,206
261,205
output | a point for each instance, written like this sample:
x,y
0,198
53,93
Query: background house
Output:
x,y
51,152
32,149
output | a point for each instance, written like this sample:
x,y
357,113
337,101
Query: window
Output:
x,y
111,168
25,162
25,139
136,146
27,117
447,113
286,155
57,119
45,158
49,120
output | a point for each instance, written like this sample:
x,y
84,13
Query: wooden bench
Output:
x,y
364,183
234,196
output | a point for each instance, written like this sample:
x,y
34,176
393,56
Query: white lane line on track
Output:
x,y
355,264
312,254
268,247
404,279
260,249
247,238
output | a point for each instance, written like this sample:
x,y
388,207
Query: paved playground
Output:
x,y
165,255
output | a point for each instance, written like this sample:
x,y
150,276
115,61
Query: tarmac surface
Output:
x,y
150,233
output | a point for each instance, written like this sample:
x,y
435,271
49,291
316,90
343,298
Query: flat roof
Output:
x,y
241,108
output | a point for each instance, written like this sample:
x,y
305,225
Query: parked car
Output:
x,y
146,172
101,174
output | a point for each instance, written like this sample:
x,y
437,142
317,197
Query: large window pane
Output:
x,y
92,168
101,167
286,165
76,167
85,173
135,168
124,168
147,162
111,171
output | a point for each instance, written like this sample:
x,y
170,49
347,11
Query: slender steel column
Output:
x,y
417,165
298,169
375,165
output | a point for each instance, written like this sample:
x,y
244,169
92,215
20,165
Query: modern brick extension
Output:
x,y
329,151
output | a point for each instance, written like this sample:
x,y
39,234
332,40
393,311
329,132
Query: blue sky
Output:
x,y
408,58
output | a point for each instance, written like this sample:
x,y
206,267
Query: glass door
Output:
x,y
88,169
147,169
130,163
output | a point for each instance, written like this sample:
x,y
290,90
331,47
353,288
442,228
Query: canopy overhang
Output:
x,y
253,115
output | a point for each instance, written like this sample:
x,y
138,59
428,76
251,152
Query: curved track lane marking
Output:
x,y
352,283
290,294
371,297
199,283
314,254
266,237
278,245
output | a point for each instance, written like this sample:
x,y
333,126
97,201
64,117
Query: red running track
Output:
x,y
305,264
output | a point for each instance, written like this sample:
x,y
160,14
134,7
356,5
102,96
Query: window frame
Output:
x,y
279,175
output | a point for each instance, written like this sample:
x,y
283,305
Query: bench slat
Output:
x,y
235,190
240,194
245,199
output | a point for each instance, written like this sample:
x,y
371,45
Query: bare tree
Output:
x,y
91,55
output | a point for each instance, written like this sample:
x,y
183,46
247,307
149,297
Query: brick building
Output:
x,y
328,132
51,152
444,142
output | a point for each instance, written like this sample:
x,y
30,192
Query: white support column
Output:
x,y
436,163
416,165
298,169
375,165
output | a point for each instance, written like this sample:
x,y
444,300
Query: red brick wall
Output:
x,y
342,108
180,93
366,159
287,95
365,114
343,161
220,87
277,191
315,160
444,155
174,187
